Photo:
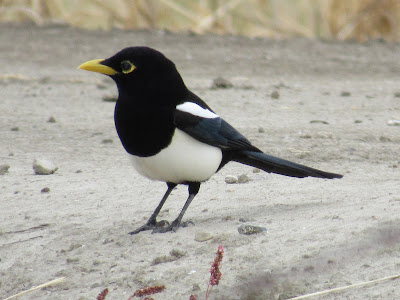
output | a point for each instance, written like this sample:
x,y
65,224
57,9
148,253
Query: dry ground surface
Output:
x,y
321,233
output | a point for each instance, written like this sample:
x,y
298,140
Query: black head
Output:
x,y
141,74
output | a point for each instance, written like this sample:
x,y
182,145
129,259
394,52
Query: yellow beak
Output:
x,y
96,66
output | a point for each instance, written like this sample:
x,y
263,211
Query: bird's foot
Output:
x,y
173,226
151,225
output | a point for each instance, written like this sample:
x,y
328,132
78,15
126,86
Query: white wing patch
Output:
x,y
196,110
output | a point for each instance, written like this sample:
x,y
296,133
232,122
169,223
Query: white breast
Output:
x,y
185,159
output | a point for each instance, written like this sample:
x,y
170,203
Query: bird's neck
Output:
x,y
166,91
144,114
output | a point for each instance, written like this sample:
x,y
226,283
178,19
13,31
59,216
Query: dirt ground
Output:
x,y
335,102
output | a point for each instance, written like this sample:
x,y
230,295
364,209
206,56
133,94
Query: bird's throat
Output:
x,y
143,130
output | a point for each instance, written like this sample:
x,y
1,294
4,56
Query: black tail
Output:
x,y
277,165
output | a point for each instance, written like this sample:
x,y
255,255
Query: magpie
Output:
x,y
174,136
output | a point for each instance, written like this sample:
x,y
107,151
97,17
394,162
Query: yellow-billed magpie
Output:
x,y
171,134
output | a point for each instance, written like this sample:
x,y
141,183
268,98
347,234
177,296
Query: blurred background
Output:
x,y
358,20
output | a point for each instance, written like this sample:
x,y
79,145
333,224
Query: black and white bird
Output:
x,y
174,136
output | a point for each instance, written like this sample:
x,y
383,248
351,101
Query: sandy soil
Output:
x,y
321,233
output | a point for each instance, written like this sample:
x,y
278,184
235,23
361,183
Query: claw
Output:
x,y
151,225
173,227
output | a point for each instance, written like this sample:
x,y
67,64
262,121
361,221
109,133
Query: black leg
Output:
x,y
193,190
151,223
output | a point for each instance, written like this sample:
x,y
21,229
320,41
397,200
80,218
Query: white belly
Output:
x,y
185,159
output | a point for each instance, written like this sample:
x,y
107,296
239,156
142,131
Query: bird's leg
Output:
x,y
193,190
151,223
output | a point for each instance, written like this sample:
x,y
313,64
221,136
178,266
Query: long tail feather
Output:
x,y
272,164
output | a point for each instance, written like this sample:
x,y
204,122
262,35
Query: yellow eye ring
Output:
x,y
127,66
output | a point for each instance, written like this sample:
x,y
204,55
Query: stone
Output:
x,y
201,236
43,166
247,229
231,179
4,169
221,83
243,178
275,95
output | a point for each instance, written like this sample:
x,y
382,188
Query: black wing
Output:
x,y
212,131
216,132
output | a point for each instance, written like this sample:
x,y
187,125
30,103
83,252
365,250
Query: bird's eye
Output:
x,y
127,66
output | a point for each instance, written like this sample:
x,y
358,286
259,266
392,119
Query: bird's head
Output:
x,y
141,73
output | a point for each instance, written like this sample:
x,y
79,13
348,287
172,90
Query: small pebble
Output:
x,y
173,255
94,286
4,169
44,80
96,262
397,94
200,236
247,87
221,83
393,122
243,178
250,229
231,179
109,98
318,122
101,86
163,259
196,287
43,167
245,219
15,129
261,130
384,139
73,246
51,120
45,190
256,170
281,85
107,141
357,121
345,94
108,241
72,260
177,253
275,95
